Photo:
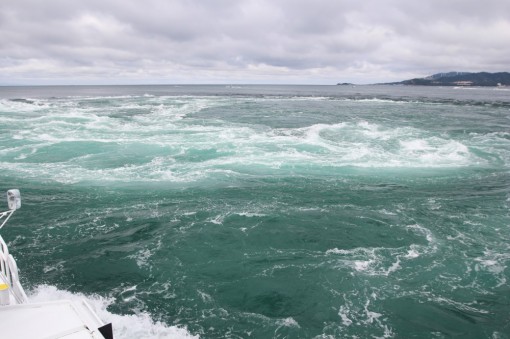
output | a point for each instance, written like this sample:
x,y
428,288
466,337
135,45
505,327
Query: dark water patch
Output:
x,y
24,101
420,319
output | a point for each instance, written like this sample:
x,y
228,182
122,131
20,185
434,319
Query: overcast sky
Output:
x,y
248,41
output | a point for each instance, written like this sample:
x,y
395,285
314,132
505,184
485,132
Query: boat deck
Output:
x,y
58,319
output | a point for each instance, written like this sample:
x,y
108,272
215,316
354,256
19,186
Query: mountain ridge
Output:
x,y
459,79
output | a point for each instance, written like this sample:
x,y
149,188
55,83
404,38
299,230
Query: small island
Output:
x,y
460,79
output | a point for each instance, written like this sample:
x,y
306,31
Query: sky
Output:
x,y
74,42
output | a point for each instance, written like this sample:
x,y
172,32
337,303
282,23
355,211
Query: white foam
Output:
x,y
251,214
241,149
369,261
356,311
416,145
218,220
343,313
288,322
412,253
394,267
386,212
494,263
362,265
375,318
55,267
382,101
143,256
22,106
205,297
425,231
359,144
353,251
135,326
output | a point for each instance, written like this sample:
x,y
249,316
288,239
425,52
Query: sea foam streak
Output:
x,y
158,139
135,326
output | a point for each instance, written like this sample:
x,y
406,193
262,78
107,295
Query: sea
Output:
x,y
253,211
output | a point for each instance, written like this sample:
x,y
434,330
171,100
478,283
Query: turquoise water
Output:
x,y
265,211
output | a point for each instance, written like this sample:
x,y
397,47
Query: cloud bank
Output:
x,y
248,41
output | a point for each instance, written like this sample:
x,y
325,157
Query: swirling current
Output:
x,y
265,211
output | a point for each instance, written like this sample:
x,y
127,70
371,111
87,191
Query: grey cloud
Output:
x,y
224,40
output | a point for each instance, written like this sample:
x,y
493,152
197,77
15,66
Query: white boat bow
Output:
x,y
49,320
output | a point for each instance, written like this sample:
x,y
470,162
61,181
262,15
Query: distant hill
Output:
x,y
460,79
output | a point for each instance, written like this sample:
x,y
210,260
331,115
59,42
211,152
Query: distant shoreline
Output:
x,y
460,79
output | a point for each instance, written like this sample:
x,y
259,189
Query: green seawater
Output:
x,y
265,211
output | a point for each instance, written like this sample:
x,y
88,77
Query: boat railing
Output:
x,y
62,318
8,267
9,273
